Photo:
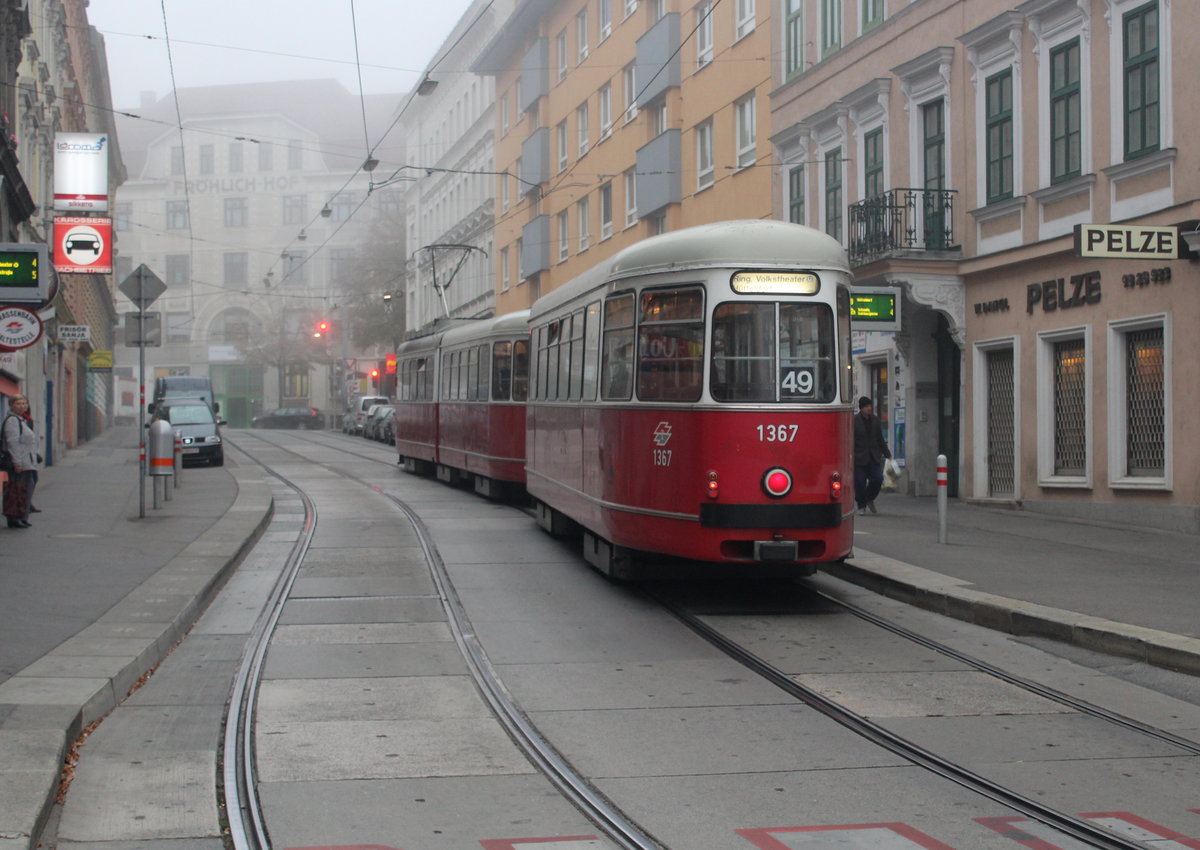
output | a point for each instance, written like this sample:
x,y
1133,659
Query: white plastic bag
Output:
x,y
891,476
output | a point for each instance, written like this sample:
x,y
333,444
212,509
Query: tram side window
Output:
x,y
616,365
578,343
449,376
844,345
422,380
501,371
591,340
671,345
564,358
520,370
743,352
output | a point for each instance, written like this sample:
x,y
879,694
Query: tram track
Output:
x,y
627,834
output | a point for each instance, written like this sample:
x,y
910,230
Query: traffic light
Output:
x,y
321,329
375,378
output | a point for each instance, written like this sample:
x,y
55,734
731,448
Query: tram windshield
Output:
x,y
773,352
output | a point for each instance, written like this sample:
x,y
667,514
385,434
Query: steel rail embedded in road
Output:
x,y
590,802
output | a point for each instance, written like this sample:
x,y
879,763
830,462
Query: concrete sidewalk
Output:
x,y
1122,590
92,597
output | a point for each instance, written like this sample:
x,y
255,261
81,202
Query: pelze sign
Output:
x,y
1128,242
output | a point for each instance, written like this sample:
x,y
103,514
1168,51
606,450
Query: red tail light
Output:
x,y
777,482
711,488
835,486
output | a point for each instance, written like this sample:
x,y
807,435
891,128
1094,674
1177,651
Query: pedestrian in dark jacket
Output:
x,y
20,445
870,449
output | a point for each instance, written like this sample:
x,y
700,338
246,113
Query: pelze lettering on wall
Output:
x,y
1064,293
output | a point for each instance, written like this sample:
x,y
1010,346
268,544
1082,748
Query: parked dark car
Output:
x,y
301,418
382,423
198,426
387,428
375,415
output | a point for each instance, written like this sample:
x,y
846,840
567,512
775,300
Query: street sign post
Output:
x,y
142,287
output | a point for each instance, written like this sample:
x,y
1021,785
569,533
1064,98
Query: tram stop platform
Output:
x,y
92,596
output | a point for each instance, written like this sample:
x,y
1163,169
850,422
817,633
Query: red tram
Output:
x,y
461,410
690,397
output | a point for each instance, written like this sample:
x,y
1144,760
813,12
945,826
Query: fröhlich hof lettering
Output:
x,y
1063,293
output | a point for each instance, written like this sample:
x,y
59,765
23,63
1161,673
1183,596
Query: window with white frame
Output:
x,y
1066,105
744,25
581,128
1139,414
630,7
605,107
658,114
505,194
581,35
1140,37
796,210
631,213
505,277
793,37
747,131
998,143
504,113
564,247
658,9
704,154
871,14
560,54
604,14
704,34
833,192
560,134
585,233
606,211
1064,382
831,26
629,78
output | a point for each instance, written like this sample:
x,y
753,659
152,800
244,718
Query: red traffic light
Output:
x,y
374,373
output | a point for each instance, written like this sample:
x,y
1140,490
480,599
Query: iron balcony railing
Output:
x,y
902,220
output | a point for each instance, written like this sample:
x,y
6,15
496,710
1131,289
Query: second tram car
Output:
x,y
462,398
691,397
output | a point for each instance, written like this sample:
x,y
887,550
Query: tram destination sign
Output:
x,y
1129,242
874,309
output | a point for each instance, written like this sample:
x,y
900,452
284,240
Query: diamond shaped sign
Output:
x,y
142,287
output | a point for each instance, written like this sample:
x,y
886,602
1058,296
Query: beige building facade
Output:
x,y
620,119
954,146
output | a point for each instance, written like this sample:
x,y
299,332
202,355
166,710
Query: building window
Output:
x,y
505,190
606,211
658,10
177,215
793,37
295,155
564,240
560,53
295,267
704,34
581,124
179,270
236,265
1070,407
658,114
236,212
833,193
505,269
604,14
1139,412
630,7
831,26
1141,81
585,236
605,111
873,163
745,18
704,154
266,157
796,194
747,131
998,119
1065,104
629,76
872,14
236,157
581,35
179,327
560,133
121,215
177,160
631,213
208,159
504,113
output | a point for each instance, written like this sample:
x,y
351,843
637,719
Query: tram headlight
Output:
x,y
777,482
711,487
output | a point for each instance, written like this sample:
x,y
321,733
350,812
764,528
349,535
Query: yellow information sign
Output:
x,y
100,361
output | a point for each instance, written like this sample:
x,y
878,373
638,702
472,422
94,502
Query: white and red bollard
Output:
x,y
943,484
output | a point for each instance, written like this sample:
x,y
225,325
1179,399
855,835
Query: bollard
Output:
x,y
943,484
162,455
177,466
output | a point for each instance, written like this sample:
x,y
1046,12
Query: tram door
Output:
x,y
877,378
949,360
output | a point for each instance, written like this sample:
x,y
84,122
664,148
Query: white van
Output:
x,y
356,413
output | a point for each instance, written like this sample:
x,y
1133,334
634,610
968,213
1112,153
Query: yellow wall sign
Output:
x,y
100,361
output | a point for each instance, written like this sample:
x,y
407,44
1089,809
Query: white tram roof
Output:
x,y
758,243
510,324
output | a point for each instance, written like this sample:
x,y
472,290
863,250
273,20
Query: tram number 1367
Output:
x,y
777,433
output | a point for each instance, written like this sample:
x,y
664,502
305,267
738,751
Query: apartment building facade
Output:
x,y
620,119
954,146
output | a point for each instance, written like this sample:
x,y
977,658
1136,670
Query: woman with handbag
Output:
x,y
21,460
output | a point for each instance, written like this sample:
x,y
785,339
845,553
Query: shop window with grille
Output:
x,y
1145,444
1070,408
